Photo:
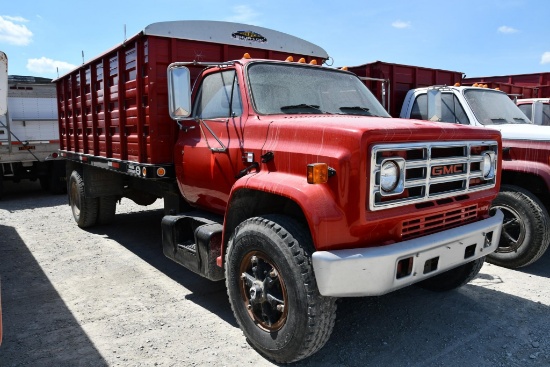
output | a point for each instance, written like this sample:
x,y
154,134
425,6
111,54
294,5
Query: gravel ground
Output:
x,y
109,297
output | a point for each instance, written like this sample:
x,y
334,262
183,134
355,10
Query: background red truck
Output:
x,y
537,85
3,109
286,178
525,194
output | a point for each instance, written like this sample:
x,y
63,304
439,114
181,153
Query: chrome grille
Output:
x,y
431,171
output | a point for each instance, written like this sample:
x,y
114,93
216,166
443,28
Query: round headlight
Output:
x,y
487,165
389,176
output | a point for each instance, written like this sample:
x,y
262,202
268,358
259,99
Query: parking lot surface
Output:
x,y
107,296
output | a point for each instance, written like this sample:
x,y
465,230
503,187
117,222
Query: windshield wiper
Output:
x,y
499,121
350,109
504,121
301,105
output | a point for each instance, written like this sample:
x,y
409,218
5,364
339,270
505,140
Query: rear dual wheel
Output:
x,y
272,289
87,211
84,208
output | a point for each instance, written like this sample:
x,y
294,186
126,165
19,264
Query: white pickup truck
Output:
x,y
524,197
29,134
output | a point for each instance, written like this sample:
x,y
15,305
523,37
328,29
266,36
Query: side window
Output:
x,y
451,109
419,109
546,114
219,96
527,109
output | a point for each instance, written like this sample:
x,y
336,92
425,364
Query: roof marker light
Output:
x,y
345,68
457,84
246,55
313,62
290,59
302,60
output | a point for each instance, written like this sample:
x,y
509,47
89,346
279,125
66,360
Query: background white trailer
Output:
x,y
29,134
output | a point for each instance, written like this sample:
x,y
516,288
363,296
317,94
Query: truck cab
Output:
x,y
525,190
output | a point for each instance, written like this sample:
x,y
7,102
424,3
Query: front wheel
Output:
x,y
453,278
525,229
84,209
272,289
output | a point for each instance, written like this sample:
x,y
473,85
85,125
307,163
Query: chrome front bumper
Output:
x,y
374,271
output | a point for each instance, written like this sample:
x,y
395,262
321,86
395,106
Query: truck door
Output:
x,y
211,153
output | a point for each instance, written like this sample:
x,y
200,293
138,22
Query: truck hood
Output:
x,y
522,131
383,129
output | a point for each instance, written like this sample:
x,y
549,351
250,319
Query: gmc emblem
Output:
x,y
447,170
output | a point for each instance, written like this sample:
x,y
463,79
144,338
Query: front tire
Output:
x,y
453,278
525,230
84,209
272,289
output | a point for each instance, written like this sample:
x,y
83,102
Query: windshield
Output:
x,y
293,88
492,107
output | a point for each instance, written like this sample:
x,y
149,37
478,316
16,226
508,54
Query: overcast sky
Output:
x,y
478,38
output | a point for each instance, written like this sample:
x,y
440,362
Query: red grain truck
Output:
x,y
286,178
525,192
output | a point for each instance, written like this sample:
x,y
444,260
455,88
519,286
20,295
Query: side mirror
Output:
x,y
537,113
3,83
434,105
179,92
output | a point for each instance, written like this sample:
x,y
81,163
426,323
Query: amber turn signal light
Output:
x,y
317,173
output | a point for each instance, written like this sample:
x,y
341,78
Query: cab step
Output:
x,y
194,240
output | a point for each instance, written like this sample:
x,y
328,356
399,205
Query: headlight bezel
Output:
x,y
397,185
488,165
